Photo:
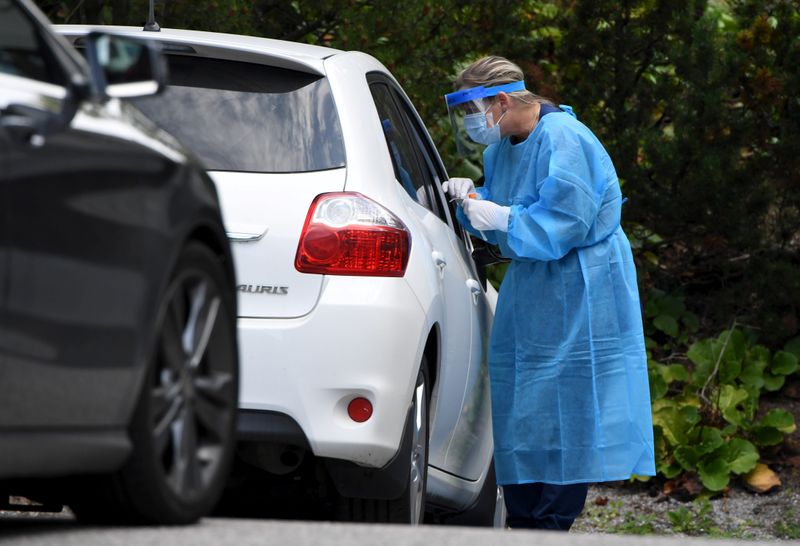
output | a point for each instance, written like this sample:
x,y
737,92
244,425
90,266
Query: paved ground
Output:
x,y
216,532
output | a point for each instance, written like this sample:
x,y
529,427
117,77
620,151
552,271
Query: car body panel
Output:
x,y
265,238
325,368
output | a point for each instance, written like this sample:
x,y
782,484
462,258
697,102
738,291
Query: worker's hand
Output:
x,y
458,188
485,215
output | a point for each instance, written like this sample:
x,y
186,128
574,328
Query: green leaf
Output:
x,y
658,387
653,307
729,429
773,382
691,416
742,456
687,457
767,436
759,353
750,406
793,346
677,372
729,368
691,321
675,423
730,397
734,344
700,354
779,419
710,440
674,372
672,306
753,371
669,470
783,363
666,324
714,473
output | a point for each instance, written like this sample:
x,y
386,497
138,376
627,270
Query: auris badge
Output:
x,y
262,289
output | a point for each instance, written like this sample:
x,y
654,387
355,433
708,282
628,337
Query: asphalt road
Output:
x,y
59,531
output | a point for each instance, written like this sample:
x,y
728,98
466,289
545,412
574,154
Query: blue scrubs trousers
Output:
x,y
544,505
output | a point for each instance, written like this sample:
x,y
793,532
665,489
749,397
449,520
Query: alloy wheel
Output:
x,y
419,448
192,386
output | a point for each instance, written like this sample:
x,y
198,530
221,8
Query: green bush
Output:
x,y
705,409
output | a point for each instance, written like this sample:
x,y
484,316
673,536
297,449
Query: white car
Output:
x,y
363,319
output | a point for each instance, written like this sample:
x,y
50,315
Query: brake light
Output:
x,y
346,233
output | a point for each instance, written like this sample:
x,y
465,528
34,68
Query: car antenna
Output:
x,y
151,25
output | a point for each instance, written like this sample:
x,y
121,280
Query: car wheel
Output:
x,y
488,510
183,428
409,507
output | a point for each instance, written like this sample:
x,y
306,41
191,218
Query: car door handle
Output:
x,y
243,235
439,260
28,124
475,289
23,129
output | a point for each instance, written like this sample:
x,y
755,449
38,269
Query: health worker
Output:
x,y
567,362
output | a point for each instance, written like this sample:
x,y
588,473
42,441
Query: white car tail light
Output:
x,y
347,233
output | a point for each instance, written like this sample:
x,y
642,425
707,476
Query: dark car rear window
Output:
x,y
248,117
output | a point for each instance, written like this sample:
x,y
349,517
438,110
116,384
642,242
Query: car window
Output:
x,y
249,117
410,173
424,151
22,49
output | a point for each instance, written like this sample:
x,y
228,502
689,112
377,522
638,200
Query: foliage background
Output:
x,y
697,102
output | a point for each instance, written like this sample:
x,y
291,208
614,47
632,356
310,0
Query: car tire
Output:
x,y
183,427
487,509
409,507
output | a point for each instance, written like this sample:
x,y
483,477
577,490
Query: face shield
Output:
x,y
473,126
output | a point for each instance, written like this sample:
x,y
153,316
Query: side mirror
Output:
x,y
125,67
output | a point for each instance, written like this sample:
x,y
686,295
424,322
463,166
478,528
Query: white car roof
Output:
x,y
235,47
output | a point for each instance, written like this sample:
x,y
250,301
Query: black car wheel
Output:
x,y
183,429
409,507
487,510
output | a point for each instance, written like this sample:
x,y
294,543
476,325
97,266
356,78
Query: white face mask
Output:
x,y
478,129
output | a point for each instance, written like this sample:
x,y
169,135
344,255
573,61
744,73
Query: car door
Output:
x,y
460,440
72,194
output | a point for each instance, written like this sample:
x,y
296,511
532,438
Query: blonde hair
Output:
x,y
493,70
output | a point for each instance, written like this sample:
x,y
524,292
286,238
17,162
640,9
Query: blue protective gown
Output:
x,y
570,393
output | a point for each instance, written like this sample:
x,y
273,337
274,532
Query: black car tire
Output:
x,y
482,512
409,507
176,473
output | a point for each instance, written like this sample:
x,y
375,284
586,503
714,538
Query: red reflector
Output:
x,y
349,234
359,409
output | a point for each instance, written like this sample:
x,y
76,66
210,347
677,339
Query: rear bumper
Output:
x,y
364,338
270,426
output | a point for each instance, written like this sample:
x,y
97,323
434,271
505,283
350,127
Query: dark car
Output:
x,y
118,352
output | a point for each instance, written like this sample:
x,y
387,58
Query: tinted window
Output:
x,y
407,169
22,52
249,117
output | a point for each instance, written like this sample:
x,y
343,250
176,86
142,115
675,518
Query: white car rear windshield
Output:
x,y
248,117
